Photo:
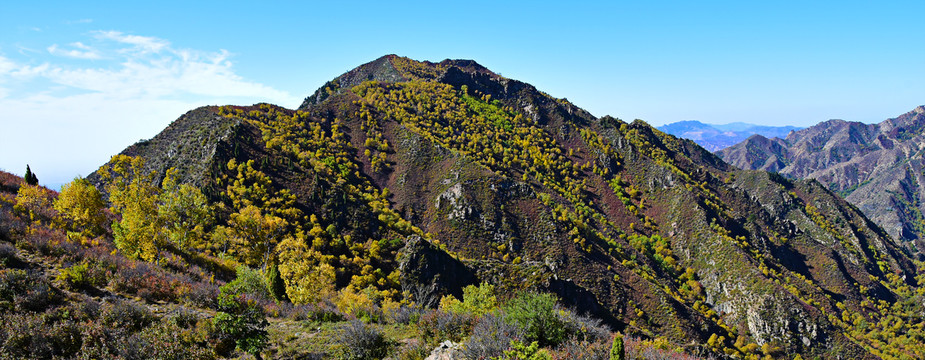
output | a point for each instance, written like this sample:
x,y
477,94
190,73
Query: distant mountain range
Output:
x,y
877,167
716,137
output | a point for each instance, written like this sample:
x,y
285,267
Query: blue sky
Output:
x,y
79,81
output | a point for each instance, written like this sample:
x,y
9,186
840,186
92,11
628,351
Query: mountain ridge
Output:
x,y
875,166
652,233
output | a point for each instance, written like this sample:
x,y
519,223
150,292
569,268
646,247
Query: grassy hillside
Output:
x,y
66,295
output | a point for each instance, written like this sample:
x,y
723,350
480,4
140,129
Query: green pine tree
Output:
x,y
276,284
30,177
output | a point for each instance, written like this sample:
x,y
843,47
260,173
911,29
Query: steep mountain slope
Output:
x,y
717,137
877,167
494,181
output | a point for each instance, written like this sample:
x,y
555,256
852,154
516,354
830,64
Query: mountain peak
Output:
x,y
393,68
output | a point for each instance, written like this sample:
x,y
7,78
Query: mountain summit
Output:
x,y
413,179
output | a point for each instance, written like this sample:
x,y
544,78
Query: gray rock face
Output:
x,y
380,69
877,167
447,350
192,145
429,273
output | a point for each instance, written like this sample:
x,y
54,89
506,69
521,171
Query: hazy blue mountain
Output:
x,y
715,137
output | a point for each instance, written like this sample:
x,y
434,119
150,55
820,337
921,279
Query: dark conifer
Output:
x,y
30,177
275,283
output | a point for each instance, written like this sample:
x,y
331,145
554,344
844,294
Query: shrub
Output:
x,y
358,304
56,333
76,277
241,321
148,282
183,318
414,350
202,294
63,338
49,243
583,327
26,291
361,341
653,349
82,276
521,351
617,352
7,254
491,337
322,311
536,315
126,316
405,315
162,341
28,336
10,224
248,281
477,300
582,349
82,311
97,342
437,326
18,330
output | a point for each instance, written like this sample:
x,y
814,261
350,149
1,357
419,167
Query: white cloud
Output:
x,y
27,72
88,53
141,43
66,118
6,66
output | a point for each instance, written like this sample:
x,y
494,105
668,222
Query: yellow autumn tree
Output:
x,y
254,236
133,196
185,212
307,274
33,200
80,206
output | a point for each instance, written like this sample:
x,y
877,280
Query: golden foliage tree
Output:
x,y
33,200
254,235
80,205
133,196
185,212
307,274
